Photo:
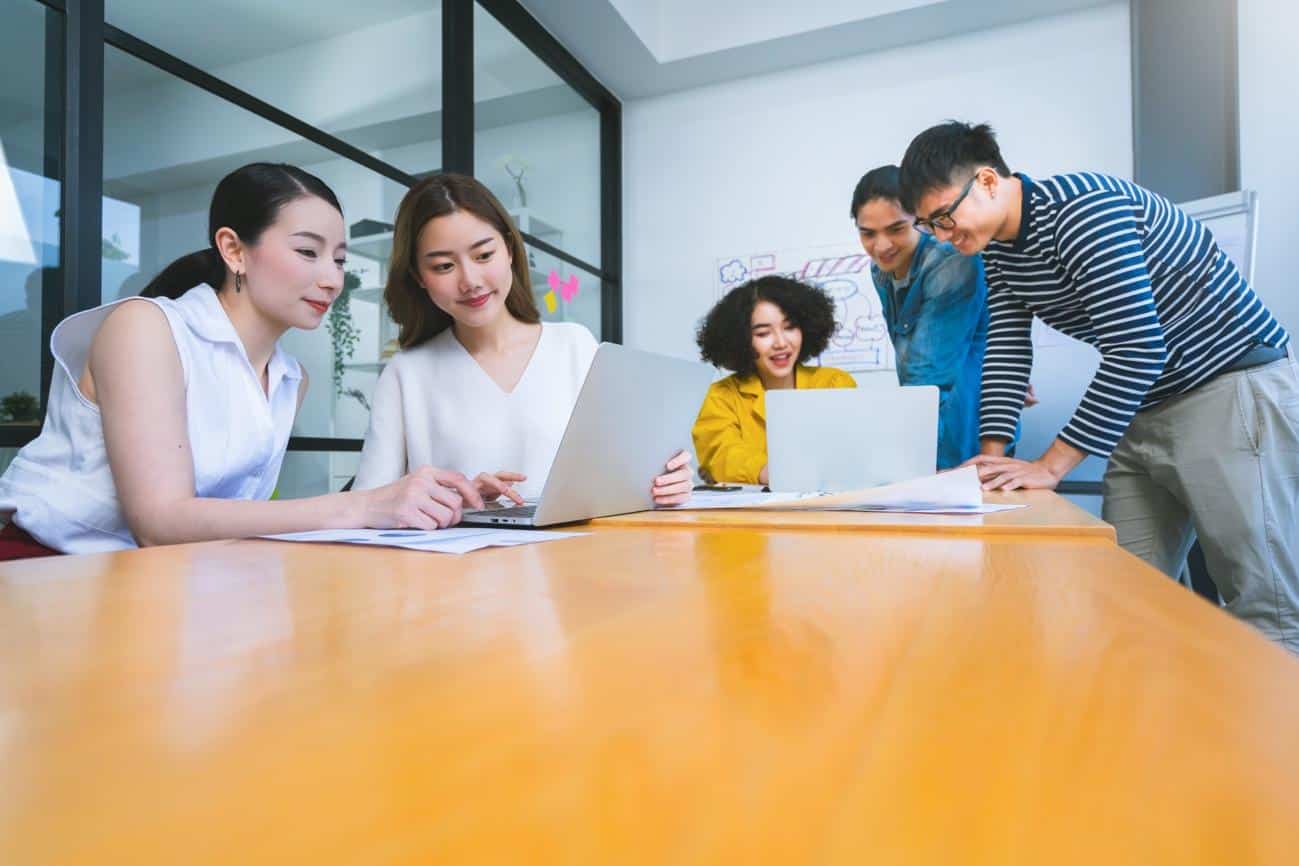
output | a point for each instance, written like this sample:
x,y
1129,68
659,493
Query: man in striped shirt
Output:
x,y
1196,400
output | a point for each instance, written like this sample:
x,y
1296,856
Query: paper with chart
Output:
x,y
455,540
861,340
955,492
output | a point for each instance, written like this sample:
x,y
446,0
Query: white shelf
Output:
x,y
377,247
534,225
365,366
370,295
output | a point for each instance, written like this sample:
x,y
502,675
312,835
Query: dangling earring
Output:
x,y
239,281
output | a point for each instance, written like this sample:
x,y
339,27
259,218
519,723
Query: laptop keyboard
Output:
x,y
512,511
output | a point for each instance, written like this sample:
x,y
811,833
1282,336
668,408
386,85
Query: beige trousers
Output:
x,y
1220,462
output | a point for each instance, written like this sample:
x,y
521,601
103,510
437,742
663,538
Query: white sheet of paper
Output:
x,y
957,490
703,500
954,492
923,509
454,540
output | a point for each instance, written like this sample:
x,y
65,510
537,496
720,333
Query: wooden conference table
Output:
x,y
639,695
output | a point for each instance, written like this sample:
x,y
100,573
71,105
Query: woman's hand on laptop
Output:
x,y
674,485
428,498
492,486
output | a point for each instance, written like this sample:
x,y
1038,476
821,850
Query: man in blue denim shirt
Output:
x,y
935,306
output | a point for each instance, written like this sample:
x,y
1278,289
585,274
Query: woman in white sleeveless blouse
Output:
x,y
169,415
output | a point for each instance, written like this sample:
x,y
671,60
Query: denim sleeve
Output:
x,y
883,286
952,326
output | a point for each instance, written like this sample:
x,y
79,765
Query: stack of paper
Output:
x,y
751,497
954,492
958,490
457,540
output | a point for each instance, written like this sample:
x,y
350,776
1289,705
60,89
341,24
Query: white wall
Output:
x,y
1269,129
771,161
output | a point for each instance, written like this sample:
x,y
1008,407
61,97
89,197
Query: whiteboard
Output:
x,y
860,342
1063,367
1233,220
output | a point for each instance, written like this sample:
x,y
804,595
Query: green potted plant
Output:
x,y
343,332
20,407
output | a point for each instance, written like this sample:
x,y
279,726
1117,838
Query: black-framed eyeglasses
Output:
x,y
944,219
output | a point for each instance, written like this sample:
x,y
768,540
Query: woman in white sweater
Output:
x,y
481,384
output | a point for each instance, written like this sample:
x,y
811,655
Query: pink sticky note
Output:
x,y
568,288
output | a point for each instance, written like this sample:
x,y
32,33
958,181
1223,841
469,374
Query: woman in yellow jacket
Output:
x,y
762,330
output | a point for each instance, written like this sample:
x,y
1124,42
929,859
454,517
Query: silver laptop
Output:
x,y
635,411
834,439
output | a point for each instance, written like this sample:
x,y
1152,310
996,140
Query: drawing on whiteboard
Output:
x,y
853,263
860,341
732,273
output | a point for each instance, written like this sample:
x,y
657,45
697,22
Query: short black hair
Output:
x,y
879,182
724,335
936,156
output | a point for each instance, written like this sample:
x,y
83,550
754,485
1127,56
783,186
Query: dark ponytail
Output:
x,y
246,201
204,266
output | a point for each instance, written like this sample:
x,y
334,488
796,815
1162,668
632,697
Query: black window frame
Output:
x,y
77,53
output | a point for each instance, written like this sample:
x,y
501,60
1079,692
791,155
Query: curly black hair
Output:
x,y
724,335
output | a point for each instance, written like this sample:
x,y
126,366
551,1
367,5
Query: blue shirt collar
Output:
x,y
1025,212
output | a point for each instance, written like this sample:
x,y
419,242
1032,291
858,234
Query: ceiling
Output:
x,y
642,48
678,29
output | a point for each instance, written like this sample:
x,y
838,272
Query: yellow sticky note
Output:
x,y
550,301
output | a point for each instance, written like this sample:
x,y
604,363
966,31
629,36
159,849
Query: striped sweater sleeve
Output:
x,y
1007,363
1098,243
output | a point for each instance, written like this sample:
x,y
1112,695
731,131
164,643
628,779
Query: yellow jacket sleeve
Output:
x,y
720,444
842,379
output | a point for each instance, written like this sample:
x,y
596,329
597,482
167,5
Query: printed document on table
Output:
x,y
921,508
751,497
454,540
956,492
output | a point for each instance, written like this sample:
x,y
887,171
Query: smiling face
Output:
x,y
295,269
464,265
776,342
978,217
887,234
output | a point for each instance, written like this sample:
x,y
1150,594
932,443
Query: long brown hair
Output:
x,y
417,317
